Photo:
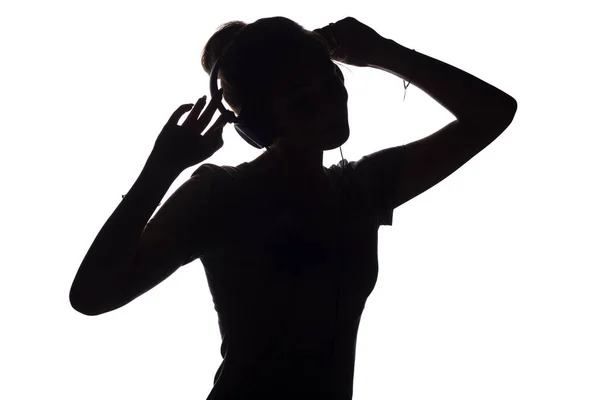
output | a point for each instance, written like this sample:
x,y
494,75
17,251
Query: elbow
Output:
x,y
512,107
92,291
80,307
87,310
507,110
499,117
496,115
83,306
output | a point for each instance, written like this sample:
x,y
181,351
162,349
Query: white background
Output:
x,y
488,282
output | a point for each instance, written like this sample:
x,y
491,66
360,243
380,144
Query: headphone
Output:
x,y
245,123
259,136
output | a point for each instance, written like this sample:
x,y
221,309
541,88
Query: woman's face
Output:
x,y
310,103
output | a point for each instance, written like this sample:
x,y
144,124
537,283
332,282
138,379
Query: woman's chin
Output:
x,y
336,135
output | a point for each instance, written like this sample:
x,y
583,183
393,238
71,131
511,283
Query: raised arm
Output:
x,y
467,97
395,175
114,248
111,272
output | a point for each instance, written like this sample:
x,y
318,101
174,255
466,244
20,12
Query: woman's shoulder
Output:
x,y
218,172
213,169
224,183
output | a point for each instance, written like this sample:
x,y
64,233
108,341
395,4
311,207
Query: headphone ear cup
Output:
x,y
255,134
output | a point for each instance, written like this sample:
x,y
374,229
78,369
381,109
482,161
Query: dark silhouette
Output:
x,y
289,247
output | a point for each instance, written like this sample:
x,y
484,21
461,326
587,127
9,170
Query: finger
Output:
x,y
193,115
178,113
327,33
210,110
216,130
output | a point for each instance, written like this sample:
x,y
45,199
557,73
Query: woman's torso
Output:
x,y
280,264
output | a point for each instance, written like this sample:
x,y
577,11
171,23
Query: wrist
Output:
x,y
162,168
390,56
159,172
154,176
380,50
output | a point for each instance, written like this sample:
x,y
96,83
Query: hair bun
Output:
x,y
219,42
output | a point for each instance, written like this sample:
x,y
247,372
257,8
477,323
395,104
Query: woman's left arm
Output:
x,y
393,176
467,97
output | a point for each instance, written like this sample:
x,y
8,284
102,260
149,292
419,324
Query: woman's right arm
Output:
x,y
112,252
110,274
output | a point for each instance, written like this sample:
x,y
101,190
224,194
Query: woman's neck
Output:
x,y
297,172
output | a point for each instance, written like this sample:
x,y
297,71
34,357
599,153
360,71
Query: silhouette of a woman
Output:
x,y
271,233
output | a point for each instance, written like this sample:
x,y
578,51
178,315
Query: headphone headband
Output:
x,y
213,86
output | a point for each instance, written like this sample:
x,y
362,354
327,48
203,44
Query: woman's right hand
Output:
x,y
179,147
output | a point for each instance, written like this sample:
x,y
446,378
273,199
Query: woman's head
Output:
x,y
282,72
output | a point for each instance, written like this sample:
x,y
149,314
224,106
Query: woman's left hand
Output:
x,y
351,41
